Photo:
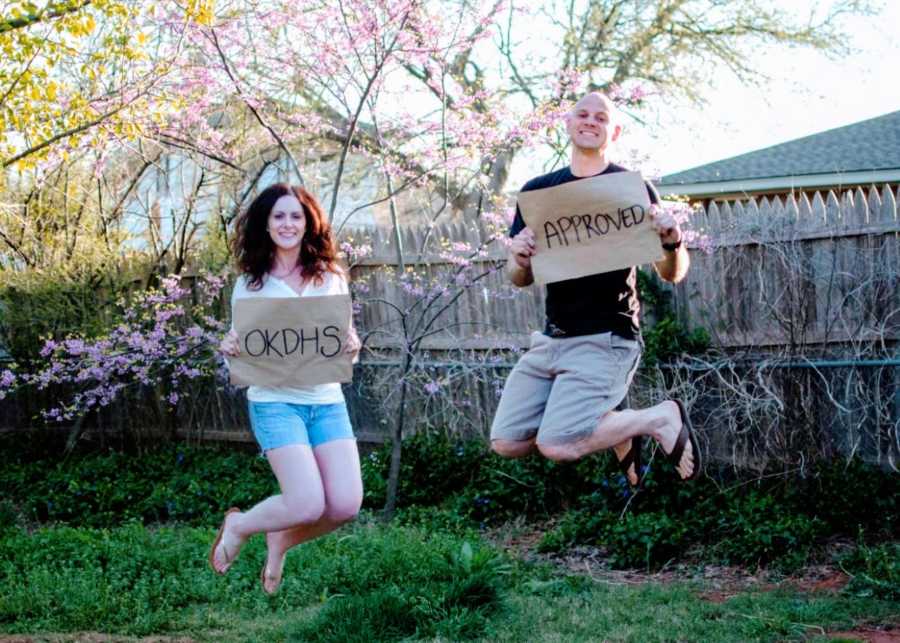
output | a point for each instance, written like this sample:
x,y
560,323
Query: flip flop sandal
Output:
x,y
686,433
262,580
633,458
212,550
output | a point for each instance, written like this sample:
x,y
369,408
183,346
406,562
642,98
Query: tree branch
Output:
x,y
353,121
53,10
226,65
50,141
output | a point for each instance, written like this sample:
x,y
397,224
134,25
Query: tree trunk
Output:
x,y
390,504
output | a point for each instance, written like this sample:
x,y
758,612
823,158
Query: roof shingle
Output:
x,y
868,145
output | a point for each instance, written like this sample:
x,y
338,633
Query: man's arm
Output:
x,y
518,262
675,263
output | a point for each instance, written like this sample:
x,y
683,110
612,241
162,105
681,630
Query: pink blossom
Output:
x,y
153,347
7,381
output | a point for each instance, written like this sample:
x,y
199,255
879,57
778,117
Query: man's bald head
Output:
x,y
593,123
596,99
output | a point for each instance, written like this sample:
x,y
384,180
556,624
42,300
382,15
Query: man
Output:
x,y
560,397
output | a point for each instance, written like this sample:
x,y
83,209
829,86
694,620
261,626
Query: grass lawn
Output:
x,y
373,583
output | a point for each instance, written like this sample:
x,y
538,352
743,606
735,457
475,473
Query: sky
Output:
x,y
808,93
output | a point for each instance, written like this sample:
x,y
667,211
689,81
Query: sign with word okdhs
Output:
x,y
590,226
292,341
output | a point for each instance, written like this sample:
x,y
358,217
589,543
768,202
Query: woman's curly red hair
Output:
x,y
254,249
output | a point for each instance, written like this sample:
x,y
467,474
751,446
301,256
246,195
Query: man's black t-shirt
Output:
x,y
596,303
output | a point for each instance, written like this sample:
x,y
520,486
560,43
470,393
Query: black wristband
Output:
x,y
672,247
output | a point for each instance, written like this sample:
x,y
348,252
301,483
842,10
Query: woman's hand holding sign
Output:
x,y
353,345
230,345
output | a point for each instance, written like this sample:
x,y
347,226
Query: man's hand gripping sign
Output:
x,y
590,226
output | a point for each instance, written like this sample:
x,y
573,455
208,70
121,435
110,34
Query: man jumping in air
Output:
x,y
561,395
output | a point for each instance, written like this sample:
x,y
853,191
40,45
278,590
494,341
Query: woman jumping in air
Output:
x,y
284,248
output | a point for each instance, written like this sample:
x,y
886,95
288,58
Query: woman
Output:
x,y
284,248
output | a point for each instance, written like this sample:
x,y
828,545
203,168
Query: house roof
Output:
x,y
866,146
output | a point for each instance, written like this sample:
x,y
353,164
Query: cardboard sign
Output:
x,y
291,341
590,226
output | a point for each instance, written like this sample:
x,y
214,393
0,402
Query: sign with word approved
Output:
x,y
589,226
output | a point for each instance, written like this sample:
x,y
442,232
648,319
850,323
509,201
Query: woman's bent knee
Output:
x,y
342,511
343,508
305,512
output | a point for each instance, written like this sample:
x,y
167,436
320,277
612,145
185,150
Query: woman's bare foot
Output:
x,y
273,568
229,545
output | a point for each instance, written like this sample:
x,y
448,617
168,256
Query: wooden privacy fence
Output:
x,y
787,285
801,297
779,272
491,314
797,272
808,290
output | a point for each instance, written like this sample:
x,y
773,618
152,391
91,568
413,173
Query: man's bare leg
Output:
x,y
513,448
615,430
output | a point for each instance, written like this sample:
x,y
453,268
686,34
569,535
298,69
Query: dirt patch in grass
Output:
x,y
721,582
730,581
821,579
868,634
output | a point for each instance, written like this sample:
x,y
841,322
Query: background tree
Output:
x,y
74,72
140,130
429,104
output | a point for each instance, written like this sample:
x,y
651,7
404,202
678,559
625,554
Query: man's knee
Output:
x,y
512,448
559,452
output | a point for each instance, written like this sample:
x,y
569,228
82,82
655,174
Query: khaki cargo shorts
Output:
x,y
561,387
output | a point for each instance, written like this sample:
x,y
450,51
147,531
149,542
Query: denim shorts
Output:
x,y
278,424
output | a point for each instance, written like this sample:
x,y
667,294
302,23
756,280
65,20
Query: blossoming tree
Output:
x,y
172,114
